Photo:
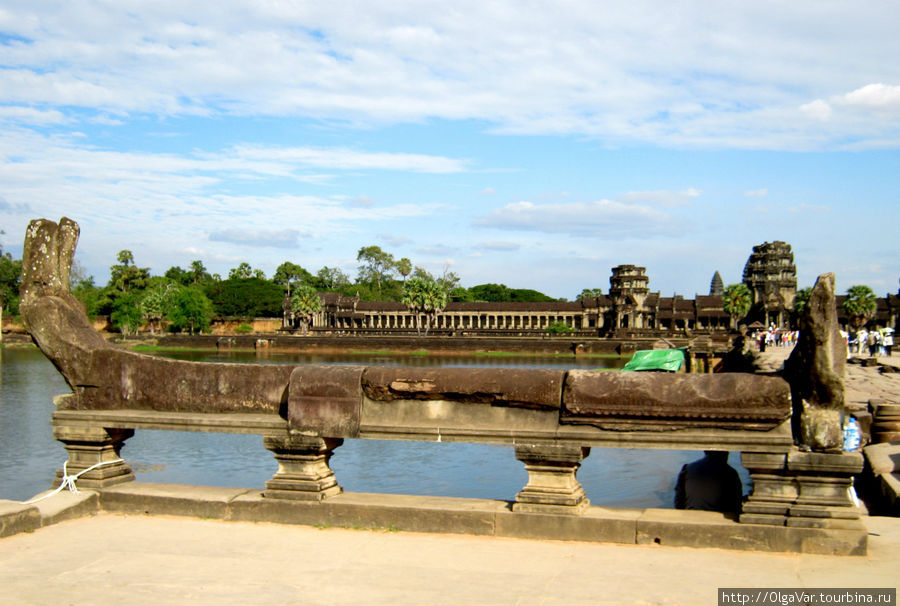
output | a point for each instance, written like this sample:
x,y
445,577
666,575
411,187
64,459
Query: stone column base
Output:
x,y
303,472
552,486
802,489
95,447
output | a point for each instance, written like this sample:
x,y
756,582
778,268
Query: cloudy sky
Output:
x,y
532,143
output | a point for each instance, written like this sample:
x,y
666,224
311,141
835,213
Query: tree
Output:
x,y
490,293
424,297
736,301
246,297
10,279
158,301
588,293
126,313
198,273
190,309
287,273
178,275
375,265
801,299
126,276
331,278
242,272
305,303
404,267
859,305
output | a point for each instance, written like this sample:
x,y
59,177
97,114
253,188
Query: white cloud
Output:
x,y
499,246
283,238
874,97
818,109
30,115
707,74
757,193
606,219
663,198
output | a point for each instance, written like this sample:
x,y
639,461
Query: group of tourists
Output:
x,y
776,337
875,342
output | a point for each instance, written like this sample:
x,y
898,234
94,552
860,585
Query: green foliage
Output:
x,y
190,310
331,278
461,294
126,276
157,301
527,295
246,297
287,274
178,275
736,301
126,313
375,266
424,297
89,295
242,272
801,299
404,267
558,328
305,303
490,293
501,293
589,293
860,305
243,328
10,279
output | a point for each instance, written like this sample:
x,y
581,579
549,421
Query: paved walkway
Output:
x,y
134,560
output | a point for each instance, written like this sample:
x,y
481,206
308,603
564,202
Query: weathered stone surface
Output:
x,y
326,399
104,376
623,400
529,388
815,371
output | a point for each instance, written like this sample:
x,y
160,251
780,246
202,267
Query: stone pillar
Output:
x,y
303,472
89,446
552,486
806,489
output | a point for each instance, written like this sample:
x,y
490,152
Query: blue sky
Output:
x,y
535,144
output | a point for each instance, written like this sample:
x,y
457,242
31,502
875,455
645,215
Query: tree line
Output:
x,y
189,299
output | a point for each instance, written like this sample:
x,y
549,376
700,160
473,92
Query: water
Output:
x,y
29,455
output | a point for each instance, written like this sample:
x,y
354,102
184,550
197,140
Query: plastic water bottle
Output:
x,y
852,437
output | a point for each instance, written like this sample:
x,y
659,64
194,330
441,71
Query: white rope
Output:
x,y
68,481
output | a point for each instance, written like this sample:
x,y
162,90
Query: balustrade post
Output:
x,y
804,489
96,447
303,472
552,486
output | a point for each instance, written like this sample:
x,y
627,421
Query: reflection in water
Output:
x,y
29,455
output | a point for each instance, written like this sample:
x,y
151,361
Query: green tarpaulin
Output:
x,y
656,359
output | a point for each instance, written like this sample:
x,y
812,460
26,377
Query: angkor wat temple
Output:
x,y
629,308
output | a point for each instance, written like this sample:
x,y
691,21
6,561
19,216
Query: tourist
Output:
x,y
861,340
888,341
873,342
709,483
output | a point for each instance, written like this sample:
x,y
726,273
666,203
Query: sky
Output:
x,y
535,144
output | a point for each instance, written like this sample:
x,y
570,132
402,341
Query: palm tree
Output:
x,y
860,305
305,302
736,301
423,297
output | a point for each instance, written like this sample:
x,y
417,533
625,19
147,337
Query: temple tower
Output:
x,y
771,276
716,286
628,289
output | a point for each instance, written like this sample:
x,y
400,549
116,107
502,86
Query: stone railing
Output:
x,y
551,417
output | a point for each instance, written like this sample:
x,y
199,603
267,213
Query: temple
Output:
x,y
628,310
